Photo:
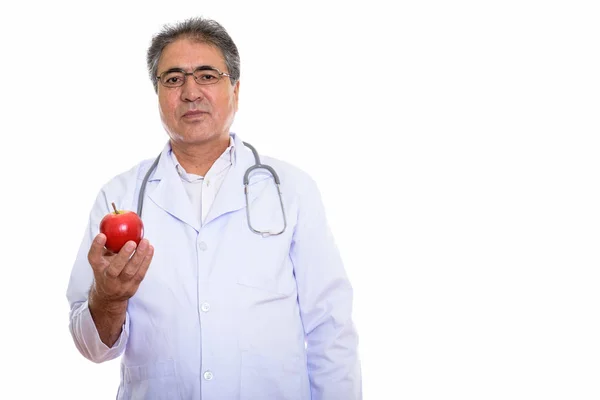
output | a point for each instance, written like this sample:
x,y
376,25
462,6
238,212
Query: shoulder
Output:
x,y
291,176
126,178
121,188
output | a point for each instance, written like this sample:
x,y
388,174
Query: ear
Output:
x,y
236,94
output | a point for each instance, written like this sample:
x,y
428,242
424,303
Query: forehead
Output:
x,y
189,54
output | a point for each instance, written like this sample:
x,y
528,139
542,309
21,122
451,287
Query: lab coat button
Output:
x,y
202,246
208,375
205,307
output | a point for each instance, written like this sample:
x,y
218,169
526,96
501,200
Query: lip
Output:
x,y
193,113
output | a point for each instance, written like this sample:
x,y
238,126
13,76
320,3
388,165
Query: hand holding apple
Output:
x,y
117,275
120,227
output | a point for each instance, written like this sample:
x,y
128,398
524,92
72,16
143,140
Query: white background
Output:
x,y
455,144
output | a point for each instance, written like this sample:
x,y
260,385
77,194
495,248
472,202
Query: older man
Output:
x,y
237,290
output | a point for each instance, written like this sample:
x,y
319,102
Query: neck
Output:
x,y
198,158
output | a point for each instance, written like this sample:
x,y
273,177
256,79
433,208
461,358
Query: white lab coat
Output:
x,y
223,313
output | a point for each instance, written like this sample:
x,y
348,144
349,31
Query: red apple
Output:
x,y
120,227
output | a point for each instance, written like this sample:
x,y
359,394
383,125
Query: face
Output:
x,y
193,113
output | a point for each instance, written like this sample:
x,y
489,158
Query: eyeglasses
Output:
x,y
204,75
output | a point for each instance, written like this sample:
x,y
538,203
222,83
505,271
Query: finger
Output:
x,y
119,261
96,252
141,272
134,262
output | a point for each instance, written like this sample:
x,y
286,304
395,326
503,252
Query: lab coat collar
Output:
x,y
170,193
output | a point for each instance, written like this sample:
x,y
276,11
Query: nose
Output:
x,y
190,90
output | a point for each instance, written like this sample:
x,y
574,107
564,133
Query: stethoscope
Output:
x,y
257,165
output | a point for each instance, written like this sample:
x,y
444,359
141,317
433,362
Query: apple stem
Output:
x,y
115,207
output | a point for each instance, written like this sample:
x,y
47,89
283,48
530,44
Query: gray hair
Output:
x,y
199,29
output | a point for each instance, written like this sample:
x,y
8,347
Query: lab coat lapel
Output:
x,y
170,195
231,195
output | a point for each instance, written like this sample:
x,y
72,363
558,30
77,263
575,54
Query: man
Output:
x,y
207,307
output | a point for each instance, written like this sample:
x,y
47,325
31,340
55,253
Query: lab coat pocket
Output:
x,y
266,266
152,381
266,378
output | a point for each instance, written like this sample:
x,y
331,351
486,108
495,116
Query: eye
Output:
x,y
204,77
173,79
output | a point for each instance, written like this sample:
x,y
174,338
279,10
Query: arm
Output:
x,y
82,326
108,317
99,289
86,335
325,298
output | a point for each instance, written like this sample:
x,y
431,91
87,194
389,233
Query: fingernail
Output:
x,y
100,239
130,246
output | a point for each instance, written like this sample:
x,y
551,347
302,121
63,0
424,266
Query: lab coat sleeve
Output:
x,y
81,325
86,337
325,297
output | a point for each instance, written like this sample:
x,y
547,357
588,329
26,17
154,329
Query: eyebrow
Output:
x,y
200,68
